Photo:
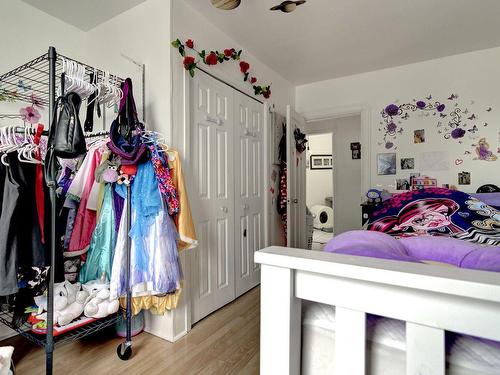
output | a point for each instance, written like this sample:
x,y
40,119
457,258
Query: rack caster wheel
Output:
x,y
124,351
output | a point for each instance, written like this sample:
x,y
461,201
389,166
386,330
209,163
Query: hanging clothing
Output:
x,y
21,244
79,191
100,254
184,219
154,257
165,182
159,304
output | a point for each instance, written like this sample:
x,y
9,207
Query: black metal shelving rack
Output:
x,y
37,80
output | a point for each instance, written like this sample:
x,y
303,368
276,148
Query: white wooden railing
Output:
x,y
430,298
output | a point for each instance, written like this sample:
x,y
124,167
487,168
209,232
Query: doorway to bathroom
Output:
x,y
334,178
319,187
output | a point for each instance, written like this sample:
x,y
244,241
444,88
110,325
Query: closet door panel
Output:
x,y
249,204
213,206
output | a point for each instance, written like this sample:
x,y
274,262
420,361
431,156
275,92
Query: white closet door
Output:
x,y
213,203
249,190
296,183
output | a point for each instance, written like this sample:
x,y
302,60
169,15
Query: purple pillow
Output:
x,y
438,249
483,258
369,244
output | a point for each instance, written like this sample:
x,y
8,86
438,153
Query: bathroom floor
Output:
x,y
320,238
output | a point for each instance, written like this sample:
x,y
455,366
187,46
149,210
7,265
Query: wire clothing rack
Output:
x,y
36,82
29,82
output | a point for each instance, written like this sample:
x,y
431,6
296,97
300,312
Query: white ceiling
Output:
x,y
326,39
84,14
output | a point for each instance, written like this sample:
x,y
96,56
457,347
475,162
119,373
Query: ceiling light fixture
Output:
x,y
226,4
288,6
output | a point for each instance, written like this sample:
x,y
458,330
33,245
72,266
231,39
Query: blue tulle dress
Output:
x,y
154,258
102,245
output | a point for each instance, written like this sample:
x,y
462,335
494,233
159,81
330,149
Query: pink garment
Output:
x,y
85,220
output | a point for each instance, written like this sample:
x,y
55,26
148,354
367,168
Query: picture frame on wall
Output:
x,y
321,161
386,164
356,150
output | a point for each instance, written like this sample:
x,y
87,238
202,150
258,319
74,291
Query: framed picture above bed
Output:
x,y
321,161
386,164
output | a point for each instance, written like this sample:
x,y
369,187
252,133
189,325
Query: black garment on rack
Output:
x,y
20,238
88,125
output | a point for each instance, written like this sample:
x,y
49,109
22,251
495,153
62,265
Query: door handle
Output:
x,y
224,209
215,120
295,200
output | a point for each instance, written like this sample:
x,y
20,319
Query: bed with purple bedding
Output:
x,y
432,226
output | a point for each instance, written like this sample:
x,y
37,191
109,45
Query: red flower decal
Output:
x,y
253,80
267,94
190,43
188,61
228,52
244,67
211,59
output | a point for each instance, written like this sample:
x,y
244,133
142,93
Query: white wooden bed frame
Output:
x,y
430,298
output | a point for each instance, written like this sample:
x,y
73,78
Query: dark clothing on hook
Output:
x,y
20,239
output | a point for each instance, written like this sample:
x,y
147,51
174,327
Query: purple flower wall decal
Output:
x,y
440,108
421,104
457,133
391,127
392,109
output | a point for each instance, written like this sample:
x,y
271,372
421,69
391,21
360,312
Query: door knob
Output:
x,y
224,209
295,200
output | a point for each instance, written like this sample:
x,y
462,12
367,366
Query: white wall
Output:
x,y
28,33
142,33
319,182
346,176
474,76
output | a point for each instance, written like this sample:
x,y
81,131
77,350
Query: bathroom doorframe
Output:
x,y
364,112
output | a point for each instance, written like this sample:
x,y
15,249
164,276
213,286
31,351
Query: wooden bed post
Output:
x,y
280,322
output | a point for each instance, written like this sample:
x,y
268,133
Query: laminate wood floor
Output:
x,y
226,342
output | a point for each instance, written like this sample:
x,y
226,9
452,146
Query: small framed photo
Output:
x,y
386,164
321,162
419,136
407,163
403,184
356,150
464,178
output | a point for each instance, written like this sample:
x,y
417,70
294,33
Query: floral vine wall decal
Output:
x,y
453,120
215,57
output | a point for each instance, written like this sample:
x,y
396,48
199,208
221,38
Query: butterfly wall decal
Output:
x,y
452,97
429,97
473,130
406,116
488,110
442,115
485,124
472,117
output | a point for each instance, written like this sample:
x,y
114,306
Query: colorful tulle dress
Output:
x,y
155,267
102,245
